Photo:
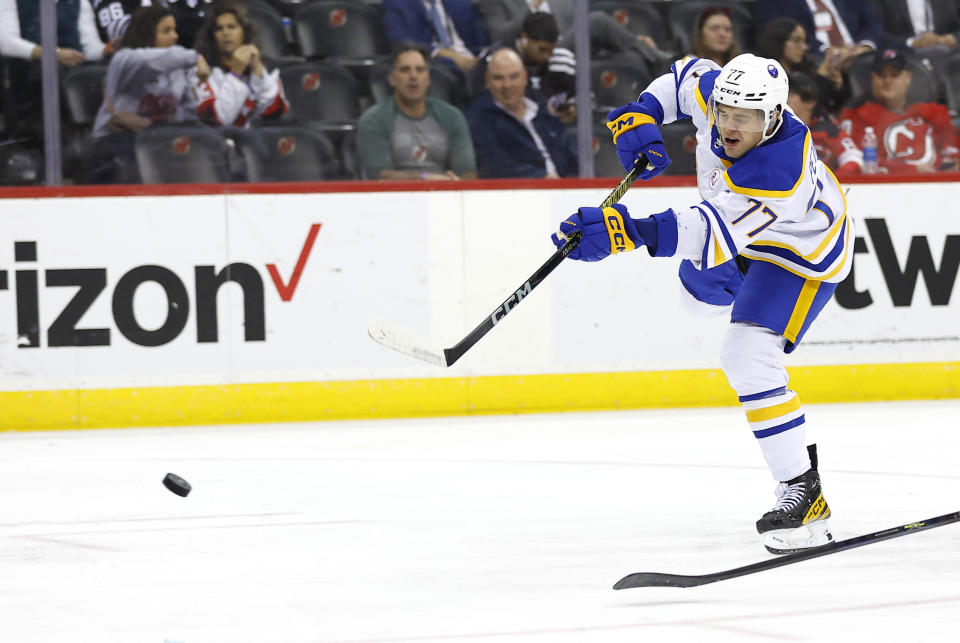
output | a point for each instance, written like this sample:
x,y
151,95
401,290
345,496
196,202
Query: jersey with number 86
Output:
x,y
113,16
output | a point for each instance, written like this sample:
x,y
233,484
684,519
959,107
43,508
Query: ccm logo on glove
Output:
x,y
626,122
637,137
619,242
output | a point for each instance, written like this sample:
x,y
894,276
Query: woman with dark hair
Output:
x,y
785,40
149,80
239,87
713,36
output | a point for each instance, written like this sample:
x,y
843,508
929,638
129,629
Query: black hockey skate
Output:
x,y
799,519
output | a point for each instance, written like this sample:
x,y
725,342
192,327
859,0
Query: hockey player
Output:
x,y
768,205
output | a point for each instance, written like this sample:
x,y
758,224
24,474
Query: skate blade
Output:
x,y
788,541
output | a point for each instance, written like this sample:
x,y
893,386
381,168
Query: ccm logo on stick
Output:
x,y
511,301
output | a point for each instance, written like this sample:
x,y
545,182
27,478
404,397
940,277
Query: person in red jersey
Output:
x,y
239,88
911,138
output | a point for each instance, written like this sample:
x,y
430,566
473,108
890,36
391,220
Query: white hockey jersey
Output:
x,y
226,98
777,203
154,82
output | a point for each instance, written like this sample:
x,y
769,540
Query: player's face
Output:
x,y
410,77
740,129
890,85
166,32
228,33
717,33
507,81
795,46
535,53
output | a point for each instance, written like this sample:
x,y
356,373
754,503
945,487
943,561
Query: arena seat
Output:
x,y
82,89
271,31
605,160
952,82
182,154
615,82
345,31
322,95
640,18
288,153
680,139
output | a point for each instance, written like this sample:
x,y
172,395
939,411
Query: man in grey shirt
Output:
x,y
411,136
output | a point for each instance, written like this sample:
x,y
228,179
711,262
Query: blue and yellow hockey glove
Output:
x,y
605,231
636,134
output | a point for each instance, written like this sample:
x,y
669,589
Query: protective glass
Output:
x,y
738,118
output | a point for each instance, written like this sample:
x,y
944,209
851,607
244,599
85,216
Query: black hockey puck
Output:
x,y
176,484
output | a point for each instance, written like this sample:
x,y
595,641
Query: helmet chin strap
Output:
x,y
767,132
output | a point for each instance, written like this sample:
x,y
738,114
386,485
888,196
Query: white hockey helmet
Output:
x,y
753,82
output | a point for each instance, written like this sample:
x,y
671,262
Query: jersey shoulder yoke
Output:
x,y
774,169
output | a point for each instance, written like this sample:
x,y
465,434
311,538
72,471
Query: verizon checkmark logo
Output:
x,y
286,290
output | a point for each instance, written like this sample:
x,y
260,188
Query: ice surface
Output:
x,y
508,528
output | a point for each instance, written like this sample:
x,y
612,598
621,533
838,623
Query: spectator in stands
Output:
x,y
77,41
451,30
920,24
515,136
150,80
552,70
412,136
911,138
785,40
77,38
239,87
834,146
190,16
713,36
113,16
504,20
848,28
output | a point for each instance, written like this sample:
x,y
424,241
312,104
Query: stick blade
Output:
x,y
385,333
655,579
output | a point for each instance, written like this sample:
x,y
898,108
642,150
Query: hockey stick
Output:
x,y
655,579
392,337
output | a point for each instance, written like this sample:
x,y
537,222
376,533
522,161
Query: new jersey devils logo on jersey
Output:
x,y
419,154
910,141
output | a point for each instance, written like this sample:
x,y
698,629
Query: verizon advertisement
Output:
x,y
900,304
99,292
